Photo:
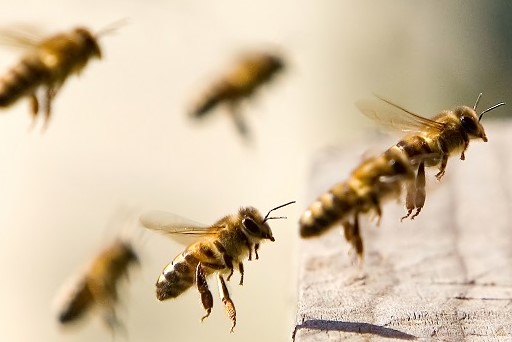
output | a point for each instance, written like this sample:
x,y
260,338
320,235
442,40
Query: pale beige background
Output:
x,y
120,138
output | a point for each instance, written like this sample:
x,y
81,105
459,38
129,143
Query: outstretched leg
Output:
x,y
50,95
256,247
238,119
444,162
226,300
228,259
353,236
415,198
34,109
241,270
378,209
419,199
409,199
112,322
357,240
34,105
202,286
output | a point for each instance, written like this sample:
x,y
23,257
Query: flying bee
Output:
x,y
98,286
371,183
248,74
46,65
221,247
430,143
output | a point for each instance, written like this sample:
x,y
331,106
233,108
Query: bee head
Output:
x,y
90,42
256,229
470,121
256,226
276,63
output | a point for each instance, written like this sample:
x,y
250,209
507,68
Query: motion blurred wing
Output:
x,y
178,228
393,117
21,36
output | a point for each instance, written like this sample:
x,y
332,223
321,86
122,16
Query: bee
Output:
x,y
430,143
98,286
46,65
221,247
248,74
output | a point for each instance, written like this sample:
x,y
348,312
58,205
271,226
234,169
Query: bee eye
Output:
x,y
468,124
251,226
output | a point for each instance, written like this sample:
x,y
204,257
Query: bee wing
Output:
x,y
21,36
178,228
394,117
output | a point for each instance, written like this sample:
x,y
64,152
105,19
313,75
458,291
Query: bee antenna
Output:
x,y
279,217
112,27
477,100
490,108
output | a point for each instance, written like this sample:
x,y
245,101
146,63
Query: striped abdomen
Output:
x,y
179,275
78,304
220,93
330,208
22,80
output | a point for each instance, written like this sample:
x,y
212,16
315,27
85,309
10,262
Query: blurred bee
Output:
x,y
46,65
221,247
98,286
248,74
429,144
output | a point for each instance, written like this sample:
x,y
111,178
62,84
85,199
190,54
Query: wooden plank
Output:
x,y
447,275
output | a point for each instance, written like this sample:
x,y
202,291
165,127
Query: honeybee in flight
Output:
x,y
46,65
98,286
221,247
429,143
248,74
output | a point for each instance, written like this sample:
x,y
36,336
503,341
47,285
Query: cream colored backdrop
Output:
x,y
119,137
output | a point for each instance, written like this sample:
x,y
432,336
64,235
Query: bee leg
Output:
x,y
34,109
352,235
378,209
442,168
357,240
50,94
112,322
249,247
347,230
409,199
419,200
228,260
241,270
240,123
202,286
466,144
226,300
256,247
34,105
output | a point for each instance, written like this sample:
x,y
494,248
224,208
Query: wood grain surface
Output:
x,y
446,276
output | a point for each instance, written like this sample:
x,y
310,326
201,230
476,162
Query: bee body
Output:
x,y
377,179
249,74
48,64
231,241
98,287
221,248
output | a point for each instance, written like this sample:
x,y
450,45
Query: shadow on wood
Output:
x,y
446,276
353,327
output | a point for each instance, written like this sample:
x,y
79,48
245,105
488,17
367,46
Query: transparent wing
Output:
x,y
394,117
21,36
178,228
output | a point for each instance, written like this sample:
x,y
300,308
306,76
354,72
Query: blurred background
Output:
x,y
120,138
